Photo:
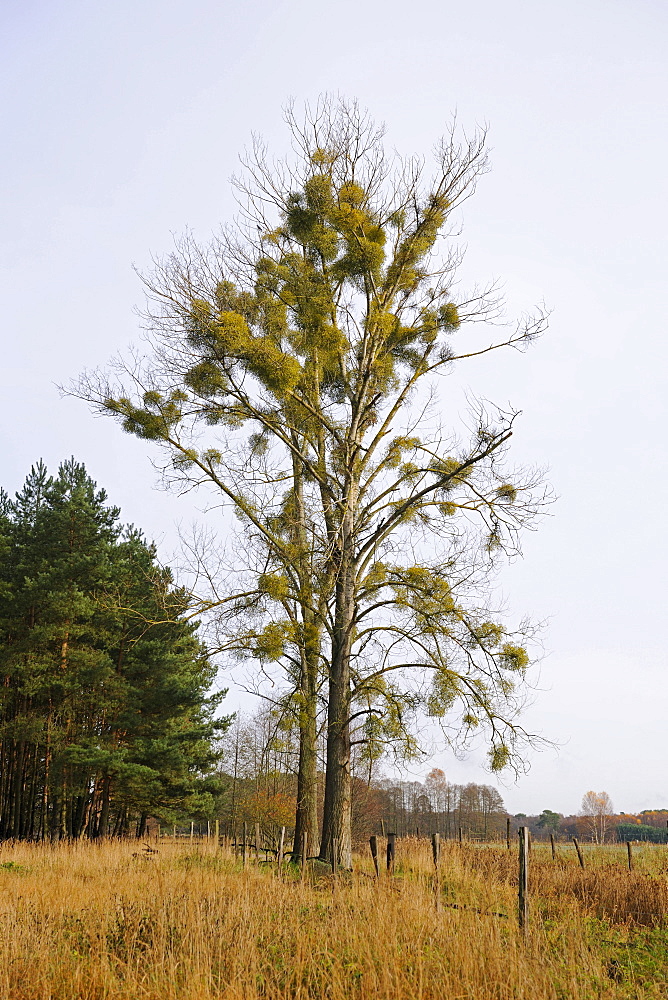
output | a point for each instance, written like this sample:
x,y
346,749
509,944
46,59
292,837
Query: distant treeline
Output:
x,y
640,831
649,825
105,711
404,808
440,806
259,782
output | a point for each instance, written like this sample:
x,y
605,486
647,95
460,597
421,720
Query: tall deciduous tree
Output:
x,y
286,370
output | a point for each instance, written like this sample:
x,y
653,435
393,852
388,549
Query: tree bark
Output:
x,y
337,814
306,819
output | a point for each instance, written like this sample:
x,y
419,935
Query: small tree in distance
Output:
x,y
597,811
294,367
549,820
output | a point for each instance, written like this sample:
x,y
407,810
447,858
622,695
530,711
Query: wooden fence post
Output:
x,y
279,856
243,846
508,833
554,852
628,851
390,852
523,893
217,833
436,854
436,848
192,829
257,843
373,844
577,848
461,838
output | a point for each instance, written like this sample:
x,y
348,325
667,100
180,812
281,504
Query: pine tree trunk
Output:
x,y
31,806
10,798
103,821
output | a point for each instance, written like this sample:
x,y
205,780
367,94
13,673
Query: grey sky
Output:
x,y
121,123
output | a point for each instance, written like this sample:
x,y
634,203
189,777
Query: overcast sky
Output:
x,y
122,123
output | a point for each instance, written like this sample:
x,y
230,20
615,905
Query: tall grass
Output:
x,y
113,921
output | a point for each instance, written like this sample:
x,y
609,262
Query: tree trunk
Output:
x,y
306,819
337,816
307,776
103,821
19,786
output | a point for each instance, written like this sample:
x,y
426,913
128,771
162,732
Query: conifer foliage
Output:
x,y
105,716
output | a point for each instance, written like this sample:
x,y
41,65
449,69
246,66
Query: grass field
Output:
x,y
113,921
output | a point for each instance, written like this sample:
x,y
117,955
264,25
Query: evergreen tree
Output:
x,y
105,714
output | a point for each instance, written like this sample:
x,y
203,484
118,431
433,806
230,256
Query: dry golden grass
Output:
x,y
605,888
100,922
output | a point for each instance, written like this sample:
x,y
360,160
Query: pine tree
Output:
x,y
105,713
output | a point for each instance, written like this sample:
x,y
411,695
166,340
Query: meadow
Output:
x,y
184,920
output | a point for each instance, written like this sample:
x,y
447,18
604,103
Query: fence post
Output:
x,y
523,893
373,844
628,851
217,833
461,838
577,848
436,854
243,846
508,832
335,851
279,856
192,829
436,848
391,837
257,843
554,852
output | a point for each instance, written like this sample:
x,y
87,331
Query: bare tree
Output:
x,y
286,369
597,811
